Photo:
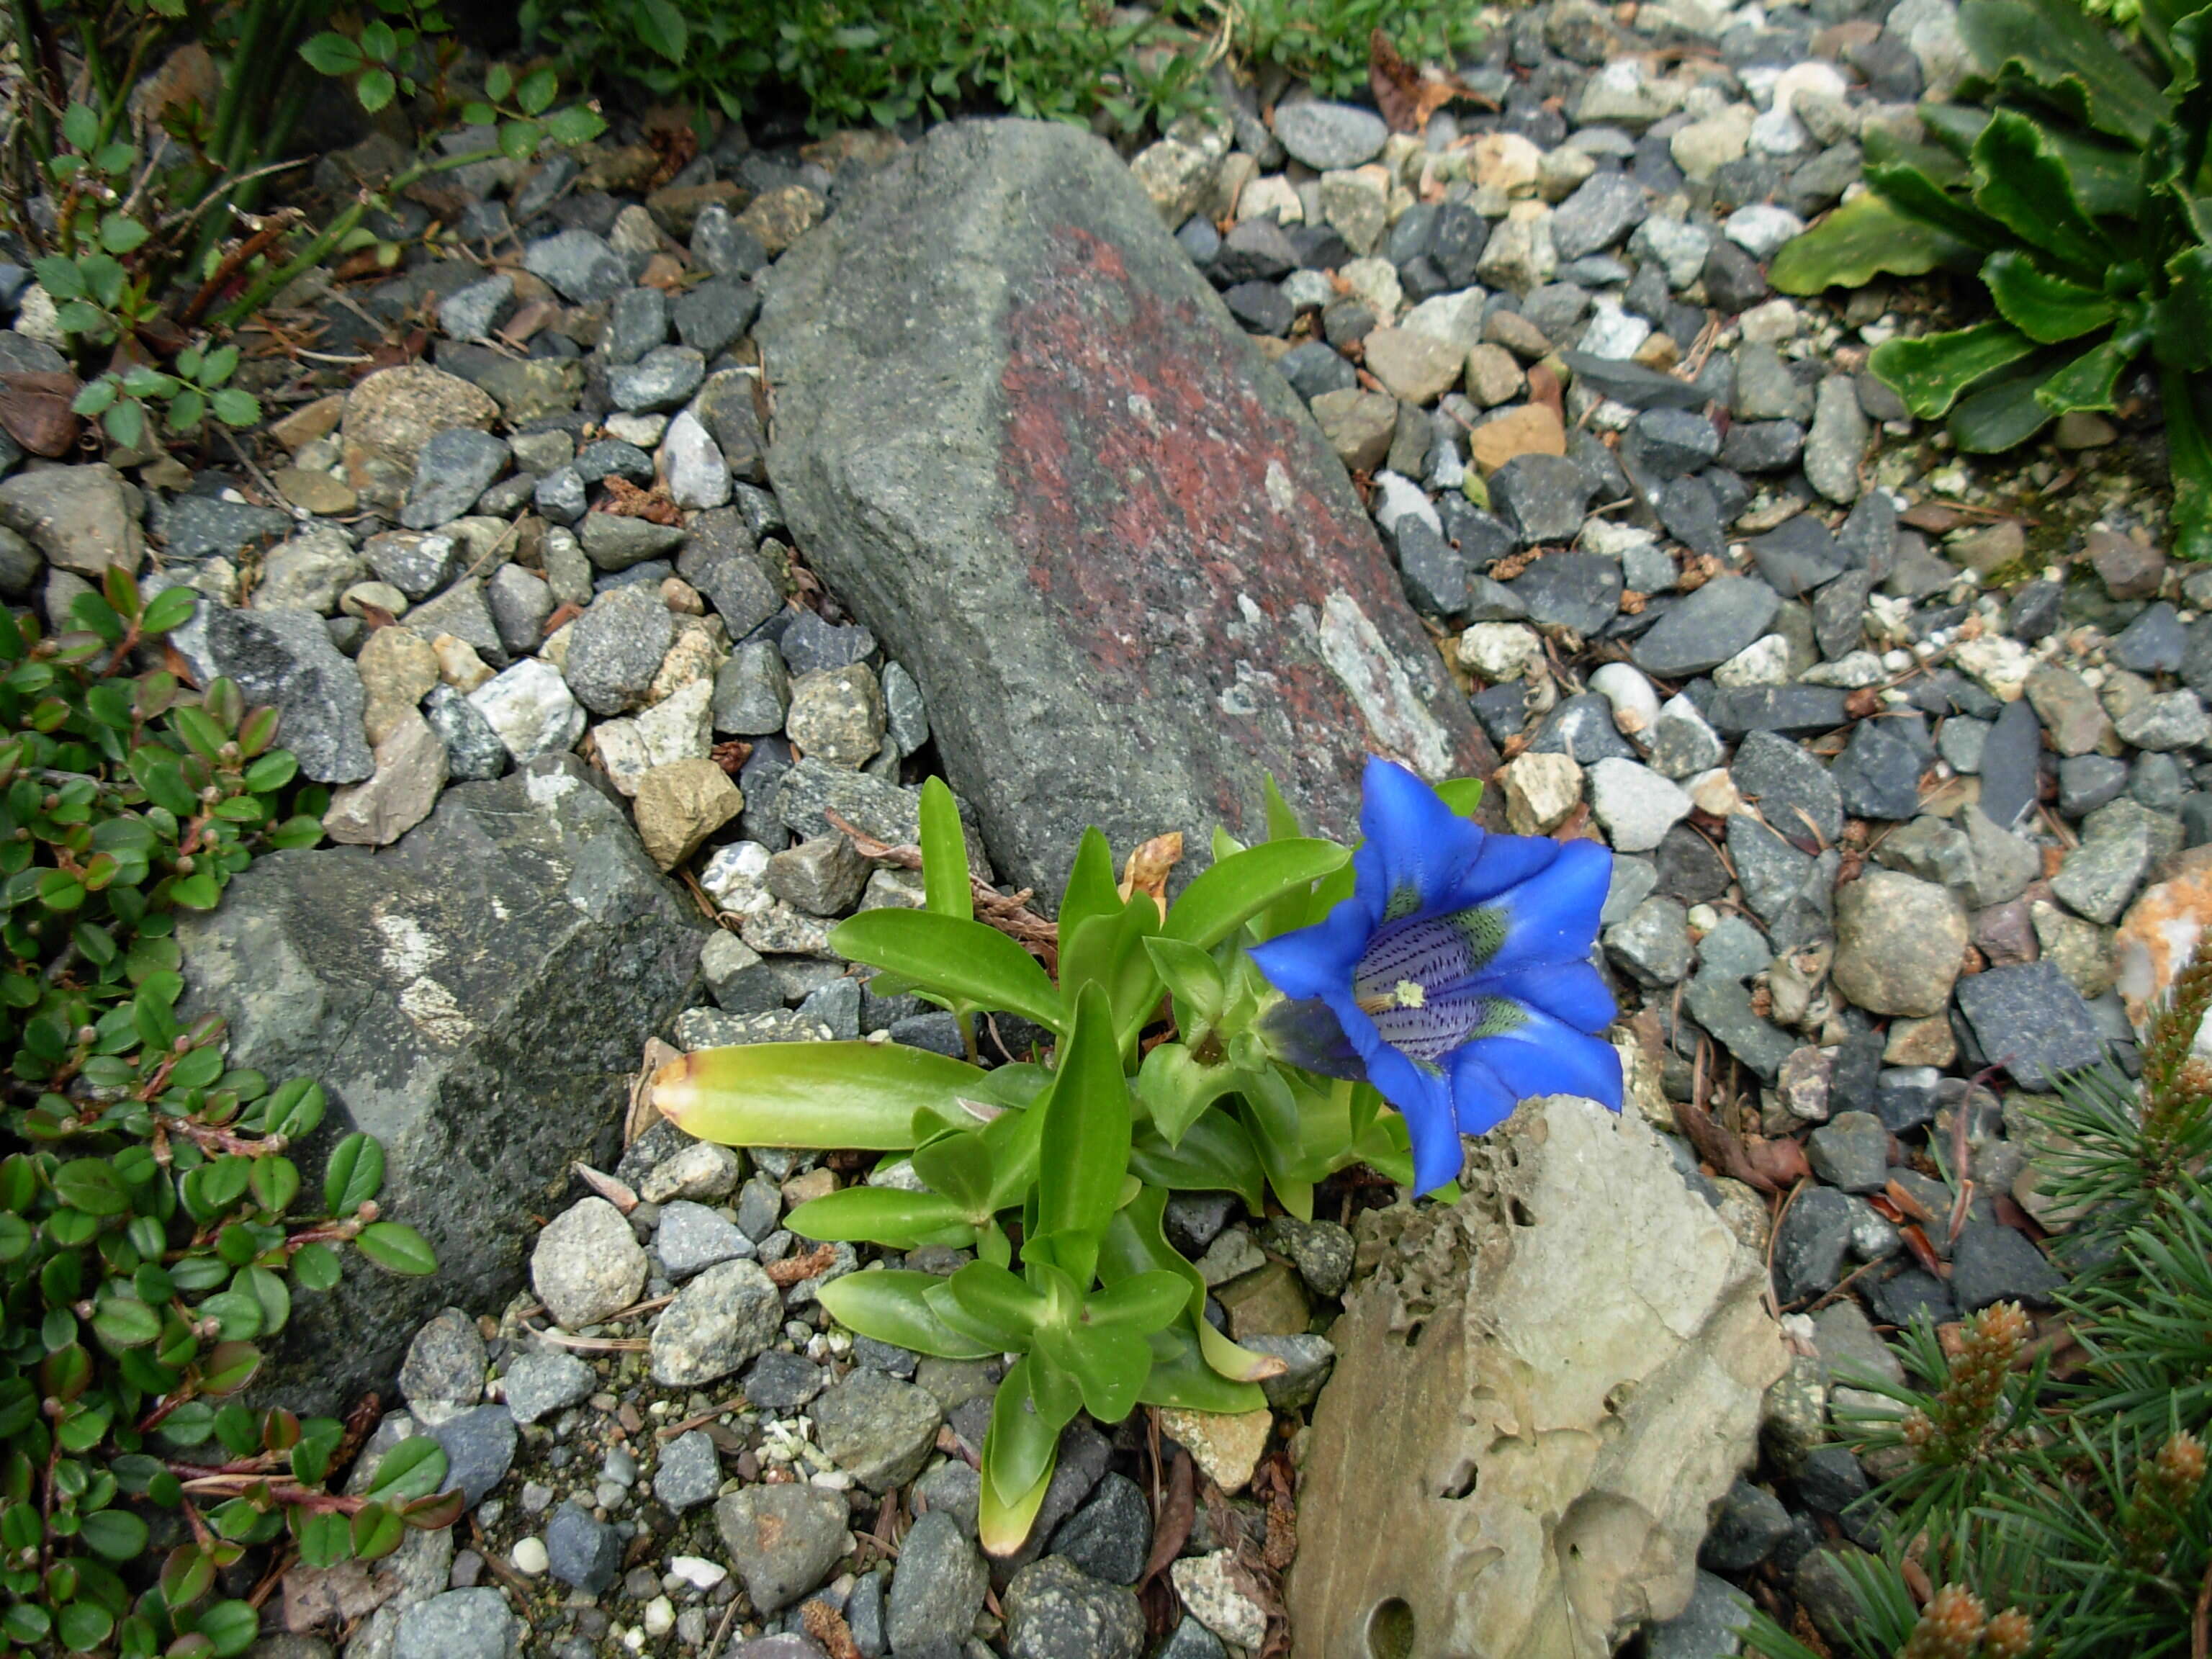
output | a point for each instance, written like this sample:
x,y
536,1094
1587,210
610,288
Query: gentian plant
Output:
x,y
1245,1038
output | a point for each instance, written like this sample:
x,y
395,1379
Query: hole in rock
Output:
x,y
1390,1631
1522,1215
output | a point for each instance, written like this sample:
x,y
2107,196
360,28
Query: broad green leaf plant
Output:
x,y
1101,1313
2076,187
1096,1309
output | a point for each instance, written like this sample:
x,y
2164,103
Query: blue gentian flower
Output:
x,y
1457,978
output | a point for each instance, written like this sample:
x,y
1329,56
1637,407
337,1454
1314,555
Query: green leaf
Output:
x,y
1180,1377
89,1184
1144,1303
968,960
1003,1527
104,278
862,1095
122,1322
1998,417
1175,1088
1109,1365
2023,185
414,1468
1090,889
58,274
1193,978
235,407
232,1627
2182,317
125,422
116,1533
171,608
374,88
1223,898
331,53
316,1267
2189,458
660,26
83,1626
1860,241
890,1307
2089,382
120,234
575,125
2055,44
535,94
1083,1151
945,853
1931,372
354,1174
498,81
81,126
1019,1445
2046,309
397,1248
990,1299
1914,194
880,1215
96,396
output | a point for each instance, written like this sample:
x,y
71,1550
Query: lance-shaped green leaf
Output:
x,y
1144,1303
2066,54
883,1215
1215,1155
1175,1087
2044,308
2023,185
2182,316
1239,887
1084,1151
1193,978
892,1307
2188,450
1916,196
2107,177
969,961
2006,412
1931,372
1090,889
862,1095
1036,1400
1180,1377
2088,382
945,854
1002,1525
1109,1365
992,1299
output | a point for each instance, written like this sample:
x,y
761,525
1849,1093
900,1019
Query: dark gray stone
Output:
x,y
195,527
1720,1003
1830,1479
581,1552
1736,709
2010,763
617,648
479,1445
2030,1021
474,995
1751,1521
950,353
460,1624
711,318
661,380
1054,1610
1632,383
1840,614
1995,1263
1109,1536
1809,1251
2154,643
1708,627
876,1428
473,750
1762,446
1603,209
1543,498
1797,555
579,264
1795,793
782,1541
454,468
1878,774
285,659
1669,442
1582,727
2088,781
781,1382
937,1589
541,1380
637,321
1850,1150
691,1471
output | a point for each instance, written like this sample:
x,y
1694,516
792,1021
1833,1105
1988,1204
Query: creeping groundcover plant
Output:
x,y
1245,1039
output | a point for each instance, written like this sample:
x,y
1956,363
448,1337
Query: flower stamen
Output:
x,y
1406,993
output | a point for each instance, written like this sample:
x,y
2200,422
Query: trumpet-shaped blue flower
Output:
x,y
1457,978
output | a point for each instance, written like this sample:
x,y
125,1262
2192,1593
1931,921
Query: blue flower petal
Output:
x,y
1418,851
1422,1095
1544,1057
1505,862
1573,993
1552,916
1479,1099
1317,961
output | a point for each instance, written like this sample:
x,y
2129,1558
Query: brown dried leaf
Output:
x,y
1171,1526
629,500
1719,1147
1781,1161
829,1629
792,1269
1543,388
34,410
1406,98
1148,866
616,1193
643,1114
329,1599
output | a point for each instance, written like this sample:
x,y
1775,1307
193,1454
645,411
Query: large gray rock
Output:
x,y
476,996
1561,1397
1021,436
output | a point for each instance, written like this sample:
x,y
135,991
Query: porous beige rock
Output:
x,y
1560,1375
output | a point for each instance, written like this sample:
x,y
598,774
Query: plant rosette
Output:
x,y
1245,1039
